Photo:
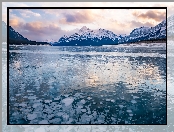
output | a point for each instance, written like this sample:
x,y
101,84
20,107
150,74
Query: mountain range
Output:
x,y
86,36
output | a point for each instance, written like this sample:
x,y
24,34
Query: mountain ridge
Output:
x,y
98,37
86,36
15,37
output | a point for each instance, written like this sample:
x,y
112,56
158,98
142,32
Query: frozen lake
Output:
x,y
87,85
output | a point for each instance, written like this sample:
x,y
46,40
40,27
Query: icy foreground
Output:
x,y
87,85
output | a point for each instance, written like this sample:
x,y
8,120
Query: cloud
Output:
x,y
14,22
38,30
26,13
83,16
29,13
137,24
151,14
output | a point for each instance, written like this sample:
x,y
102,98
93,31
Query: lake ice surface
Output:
x,y
87,85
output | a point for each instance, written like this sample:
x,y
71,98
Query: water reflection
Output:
x,y
86,88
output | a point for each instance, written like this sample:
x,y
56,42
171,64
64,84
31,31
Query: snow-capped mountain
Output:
x,y
146,33
86,36
50,41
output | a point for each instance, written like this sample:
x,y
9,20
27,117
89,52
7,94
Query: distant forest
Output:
x,y
152,41
25,42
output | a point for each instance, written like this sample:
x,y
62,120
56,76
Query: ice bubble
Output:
x,y
133,101
60,113
126,122
106,110
67,101
23,104
83,101
107,99
77,94
48,101
31,116
56,98
29,91
13,99
112,100
50,116
16,104
129,111
89,98
18,94
43,122
135,97
121,106
83,110
15,113
32,97
36,105
66,95
130,114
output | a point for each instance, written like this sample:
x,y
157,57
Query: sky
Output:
x,y
43,24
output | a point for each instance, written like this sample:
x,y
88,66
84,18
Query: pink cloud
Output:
x,y
151,14
84,16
